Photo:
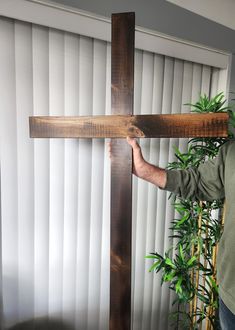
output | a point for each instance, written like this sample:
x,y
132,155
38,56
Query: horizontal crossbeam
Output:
x,y
139,126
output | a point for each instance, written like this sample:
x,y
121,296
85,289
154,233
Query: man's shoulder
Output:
x,y
230,144
228,149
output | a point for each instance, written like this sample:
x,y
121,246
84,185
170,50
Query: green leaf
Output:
x,y
191,260
154,256
178,287
169,276
182,220
203,298
151,257
214,284
154,266
169,262
181,252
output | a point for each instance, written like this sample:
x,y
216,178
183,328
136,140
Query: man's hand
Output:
x,y
140,166
145,170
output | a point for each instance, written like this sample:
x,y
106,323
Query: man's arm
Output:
x,y
203,183
145,170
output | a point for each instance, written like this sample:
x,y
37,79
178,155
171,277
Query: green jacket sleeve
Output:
x,y
203,183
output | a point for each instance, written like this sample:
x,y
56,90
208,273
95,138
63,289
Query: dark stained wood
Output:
x,y
120,126
123,27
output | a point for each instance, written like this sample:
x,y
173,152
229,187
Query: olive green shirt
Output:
x,y
214,179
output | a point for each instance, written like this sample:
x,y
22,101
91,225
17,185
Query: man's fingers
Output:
x,y
132,142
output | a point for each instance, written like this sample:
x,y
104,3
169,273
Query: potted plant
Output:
x,y
189,266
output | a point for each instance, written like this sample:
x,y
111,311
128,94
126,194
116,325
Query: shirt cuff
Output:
x,y
172,180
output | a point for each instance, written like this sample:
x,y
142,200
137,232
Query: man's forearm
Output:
x,y
154,174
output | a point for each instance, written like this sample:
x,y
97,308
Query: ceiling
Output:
x,y
222,12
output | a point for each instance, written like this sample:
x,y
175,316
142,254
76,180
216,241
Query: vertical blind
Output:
x,y
55,193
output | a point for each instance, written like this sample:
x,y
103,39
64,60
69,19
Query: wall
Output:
x,y
165,17
216,10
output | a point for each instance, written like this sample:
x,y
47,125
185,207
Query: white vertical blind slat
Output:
x,y
214,82
25,176
158,72
140,228
187,86
137,110
142,221
71,103
223,82
164,157
158,85
9,194
206,75
196,83
186,97
105,238
174,142
149,217
97,178
84,183
40,50
56,216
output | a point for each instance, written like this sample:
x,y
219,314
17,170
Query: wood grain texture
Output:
x,y
123,27
120,126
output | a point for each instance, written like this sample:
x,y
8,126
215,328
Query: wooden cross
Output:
x,y
117,126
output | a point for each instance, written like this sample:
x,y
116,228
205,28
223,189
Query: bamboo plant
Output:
x,y
189,266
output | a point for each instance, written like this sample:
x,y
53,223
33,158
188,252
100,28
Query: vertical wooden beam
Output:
x,y
123,28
